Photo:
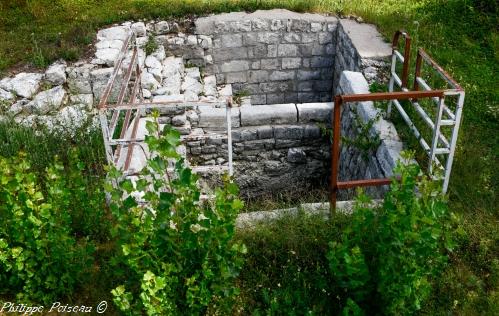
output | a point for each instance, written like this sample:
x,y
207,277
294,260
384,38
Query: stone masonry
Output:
x,y
275,56
289,64
381,160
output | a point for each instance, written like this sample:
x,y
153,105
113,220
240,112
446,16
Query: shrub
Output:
x,y
388,257
151,45
40,260
178,251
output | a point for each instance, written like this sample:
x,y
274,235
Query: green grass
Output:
x,y
462,35
286,270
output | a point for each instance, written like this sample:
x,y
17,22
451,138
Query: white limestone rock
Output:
x,y
159,53
106,56
6,96
179,120
101,74
192,40
205,41
160,91
314,112
191,96
152,62
161,27
191,85
171,84
154,67
17,107
116,44
208,59
5,84
168,98
56,74
25,84
192,116
100,78
148,81
225,91
85,99
79,79
216,118
193,72
146,94
139,28
172,65
268,114
141,41
113,33
210,86
47,101
156,72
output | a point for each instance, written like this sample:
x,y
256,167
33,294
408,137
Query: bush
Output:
x,y
177,252
40,259
388,257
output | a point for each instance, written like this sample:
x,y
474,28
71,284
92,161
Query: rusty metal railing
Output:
x,y
422,90
339,100
396,55
129,98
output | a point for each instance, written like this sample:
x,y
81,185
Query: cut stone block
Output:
x,y
216,118
314,112
268,114
366,39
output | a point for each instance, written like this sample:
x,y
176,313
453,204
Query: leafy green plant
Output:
x,y
388,257
178,251
363,141
151,45
40,259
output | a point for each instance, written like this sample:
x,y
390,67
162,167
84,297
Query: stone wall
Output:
x,y
276,147
380,161
284,60
359,47
276,56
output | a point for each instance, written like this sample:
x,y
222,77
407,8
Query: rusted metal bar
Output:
x,y
136,85
422,55
117,66
152,105
128,113
363,183
399,95
128,76
335,155
133,136
407,54
229,133
336,119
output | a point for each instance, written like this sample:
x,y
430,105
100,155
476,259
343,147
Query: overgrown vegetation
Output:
x,y
376,261
387,258
364,141
461,35
40,258
151,45
179,250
